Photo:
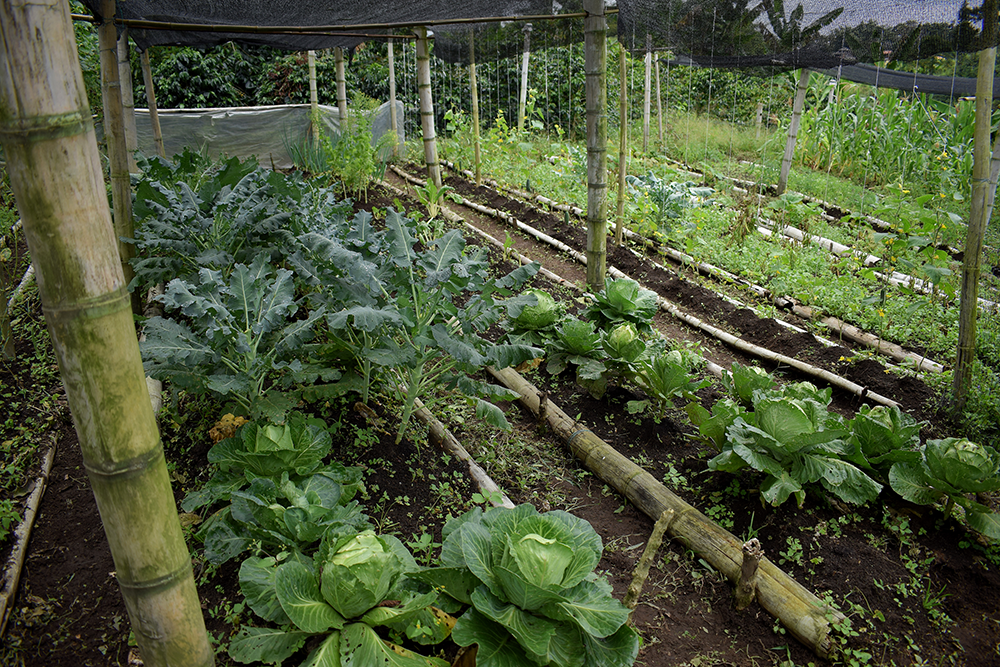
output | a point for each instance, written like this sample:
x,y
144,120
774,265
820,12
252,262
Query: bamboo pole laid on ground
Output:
x,y
313,96
807,617
114,136
474,88
338,59
397,145
522,100
793,129
154,116
969,303
595,28
49,141
647,91
128,101
622,146
427,106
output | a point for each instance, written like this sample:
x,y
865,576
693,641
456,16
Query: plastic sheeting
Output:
x,y
267,133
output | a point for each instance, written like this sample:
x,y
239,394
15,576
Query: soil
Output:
x,y
68,610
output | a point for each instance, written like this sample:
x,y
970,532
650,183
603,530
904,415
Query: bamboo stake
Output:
x,y
338,59
121,189
641,573
49,141
622,145
523,98
793,129
969,303
475,109
128,101
746,587
393,116
659,98
595,71
313,96
15,564
646,91
154,116
427,106
807,617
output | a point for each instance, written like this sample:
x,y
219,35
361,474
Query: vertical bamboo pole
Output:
x,y
659,97
595,71
128,102
793,129
154,116
338,59
475,108
969,304
646,92
313,96
523,99
114,136
622,143
393,117
50,144
427,106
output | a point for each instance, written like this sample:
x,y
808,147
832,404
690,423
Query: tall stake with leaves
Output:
x,y
50,142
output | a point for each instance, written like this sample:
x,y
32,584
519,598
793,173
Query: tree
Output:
x,y
55,173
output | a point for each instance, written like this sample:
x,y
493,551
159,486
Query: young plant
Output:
x,y
534,596
885,436
356,583
742,381
431,196
664,377
577,343
623,300
952,469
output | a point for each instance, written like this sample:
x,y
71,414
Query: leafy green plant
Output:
x,y
577,343
951,470
8,517
431,196
792,438
534,596
356,583
238,340
623,300
664,377
533,316
742,381
669,198
885,436
712,426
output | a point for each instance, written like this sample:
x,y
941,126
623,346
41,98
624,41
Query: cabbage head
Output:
x,y
544,313
359,571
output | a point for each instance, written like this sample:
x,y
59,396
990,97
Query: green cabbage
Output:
x,y
543,314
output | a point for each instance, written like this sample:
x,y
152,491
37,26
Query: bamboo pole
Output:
x,y
641,572
646,92
128,101
793,129
746,586
807,617
622,145
595,71
154,116
338,59
522,100
49,141
969,304
427,106
474,88
659,98
121,188
313,96
393,116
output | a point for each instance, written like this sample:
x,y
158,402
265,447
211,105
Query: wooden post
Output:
x,y
969,304
759,118
523,99
641,572
622,144
659,98
793,129
427,106
646,92
128,102
313,96
338,58
746,586
154,116
393,117
114,136
595,71
475,108
55,173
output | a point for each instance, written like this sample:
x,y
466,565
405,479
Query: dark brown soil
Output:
x,y
68,610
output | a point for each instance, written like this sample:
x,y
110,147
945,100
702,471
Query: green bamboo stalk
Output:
x,y
522,100
622,145
969,304
313,96
128,102
56,177
154,116
793,129
595,66
647,92
474,88
338,59
427,106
